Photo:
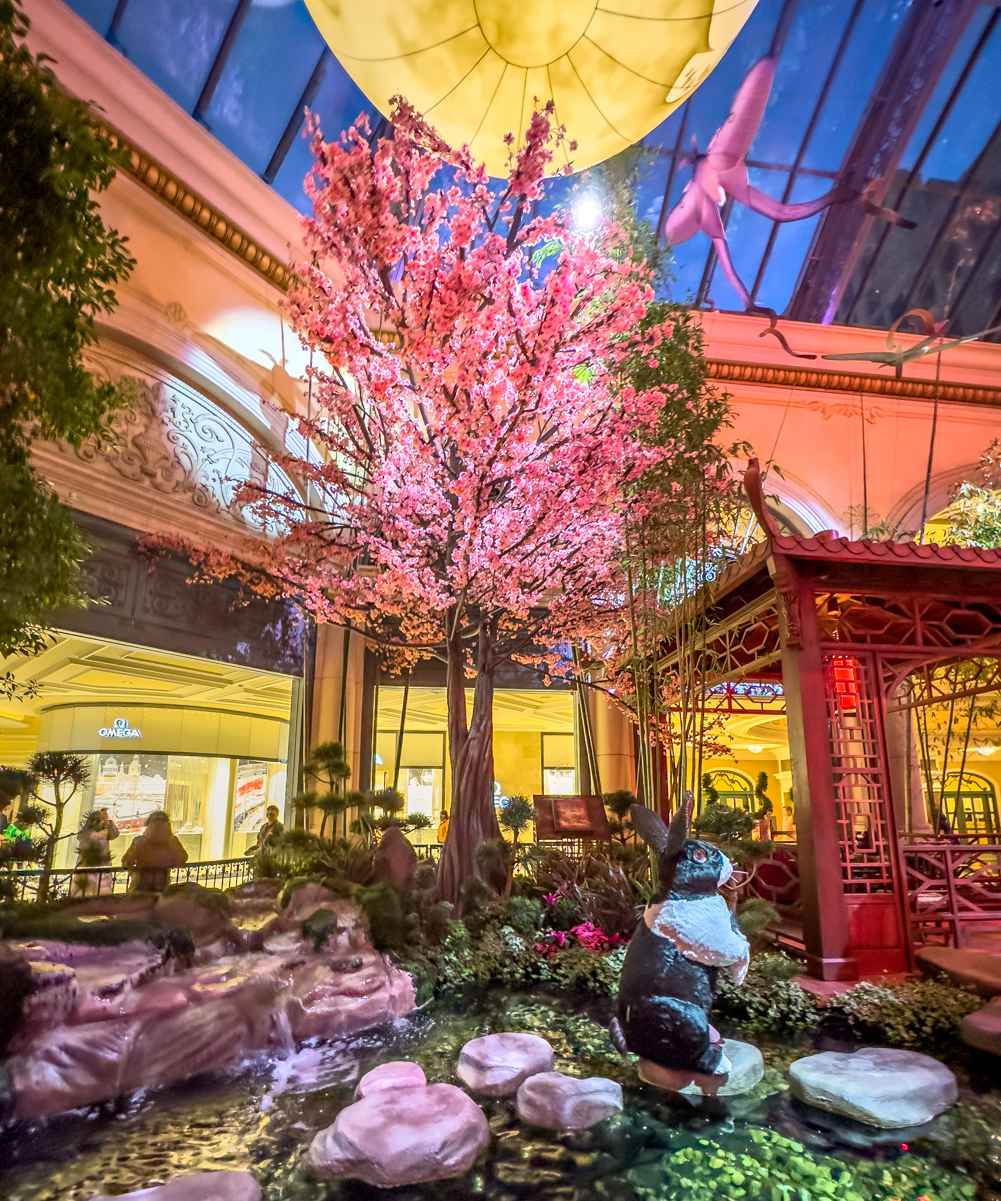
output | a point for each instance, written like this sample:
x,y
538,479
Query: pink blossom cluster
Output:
x,y
585,935
474,455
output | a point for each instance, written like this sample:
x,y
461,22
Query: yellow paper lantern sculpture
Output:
x,y
477,69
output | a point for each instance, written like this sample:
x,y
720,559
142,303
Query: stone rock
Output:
x,y
327,1004
395,860
304,900
975,969
196,1186
747,1067
558,1102
879,1086
200,910
495,1065
111,1020
399,1074
400,1137
982,1029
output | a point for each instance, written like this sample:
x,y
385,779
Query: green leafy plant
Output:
x,y
911,1013
618,804
56,776
516,815
60,265
761,1163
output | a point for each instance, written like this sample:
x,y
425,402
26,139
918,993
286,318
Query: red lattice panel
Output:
x,y
858,768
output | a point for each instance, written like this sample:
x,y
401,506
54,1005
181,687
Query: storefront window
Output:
x,y
256,785
559,774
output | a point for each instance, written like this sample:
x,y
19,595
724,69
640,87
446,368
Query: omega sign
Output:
x,y
120,728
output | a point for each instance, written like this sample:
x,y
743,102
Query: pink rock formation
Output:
x,y
399,1074
494,1065
557,1102
397,1137
118,1019
197,1186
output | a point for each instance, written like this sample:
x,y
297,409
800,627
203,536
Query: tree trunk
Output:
x,y
473,819
50,850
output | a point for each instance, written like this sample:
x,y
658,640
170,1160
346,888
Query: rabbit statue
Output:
x,y
686,937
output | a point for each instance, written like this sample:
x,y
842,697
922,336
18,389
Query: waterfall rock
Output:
x,y
394,1137
879,1086
495,1065
399,1074
558,1102
196,1186
103,1022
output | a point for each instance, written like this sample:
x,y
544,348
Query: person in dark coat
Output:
x,y
152,855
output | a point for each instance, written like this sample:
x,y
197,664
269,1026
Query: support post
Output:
x,y
825,913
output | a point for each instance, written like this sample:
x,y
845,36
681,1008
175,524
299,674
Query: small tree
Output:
x,y
328,767
516,815
57,777
619,803
59,267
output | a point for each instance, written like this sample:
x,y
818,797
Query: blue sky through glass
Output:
x,y
831,55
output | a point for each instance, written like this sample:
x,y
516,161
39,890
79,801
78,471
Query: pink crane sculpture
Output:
x,y
722,172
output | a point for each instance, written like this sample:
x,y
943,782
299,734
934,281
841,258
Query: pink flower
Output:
x,y
590,937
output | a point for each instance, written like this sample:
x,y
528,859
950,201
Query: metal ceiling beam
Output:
x,y
804,142
294,123
913,67
219,62
914,174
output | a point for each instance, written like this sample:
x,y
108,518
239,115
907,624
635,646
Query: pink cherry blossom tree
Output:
x,y
480,449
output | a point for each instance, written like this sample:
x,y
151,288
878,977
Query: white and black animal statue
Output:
x,y
686,938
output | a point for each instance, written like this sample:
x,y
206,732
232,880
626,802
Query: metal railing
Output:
x,y
114,881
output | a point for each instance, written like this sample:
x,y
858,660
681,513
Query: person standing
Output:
x,y
443,827
270,832
152,855
93,849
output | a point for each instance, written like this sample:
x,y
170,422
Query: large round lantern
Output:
x,y
477,69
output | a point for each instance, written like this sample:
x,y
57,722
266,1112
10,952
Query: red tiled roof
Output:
x,y
829,546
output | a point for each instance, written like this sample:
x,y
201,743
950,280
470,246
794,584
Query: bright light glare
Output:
x,y
755,748
587,212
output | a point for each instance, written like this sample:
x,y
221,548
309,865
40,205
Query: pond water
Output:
x,y
761,1145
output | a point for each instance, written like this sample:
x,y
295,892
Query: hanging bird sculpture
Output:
x,y
722,172
896,356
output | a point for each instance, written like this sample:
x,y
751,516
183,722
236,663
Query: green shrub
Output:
x,y
319,926
578,970
912,1013
381,905
769,1000
523,914
754,917
760,1163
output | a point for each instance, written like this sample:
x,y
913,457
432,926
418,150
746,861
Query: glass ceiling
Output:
x,y
246,69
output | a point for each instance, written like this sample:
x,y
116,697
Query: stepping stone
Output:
x,y
982,1029
399,1074
196,1186
747,1067
557,1102
975,969
399,1137
495,1065
879,1086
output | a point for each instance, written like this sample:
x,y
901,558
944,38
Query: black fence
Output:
x,y
112,881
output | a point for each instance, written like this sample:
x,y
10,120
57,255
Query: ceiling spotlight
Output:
x,y
755,748
587,212
985,748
